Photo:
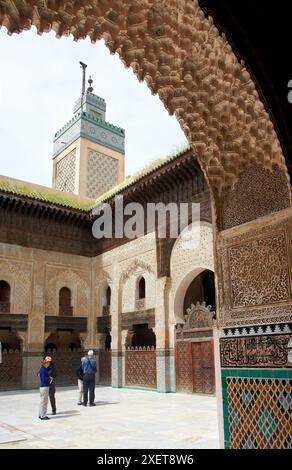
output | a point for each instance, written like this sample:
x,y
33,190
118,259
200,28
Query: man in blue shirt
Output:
x,y
89,367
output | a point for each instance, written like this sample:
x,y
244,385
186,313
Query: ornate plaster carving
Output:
x,y
256,193
74,280
199,316
255,278
19,275
135,267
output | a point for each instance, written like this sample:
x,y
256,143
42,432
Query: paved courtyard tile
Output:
x,y
122,419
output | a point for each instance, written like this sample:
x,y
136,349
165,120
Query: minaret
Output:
x,y
88,151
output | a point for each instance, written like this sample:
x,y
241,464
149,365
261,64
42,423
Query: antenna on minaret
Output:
x,y
83,66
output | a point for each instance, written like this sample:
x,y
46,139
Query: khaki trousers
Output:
x,y
44,393
80,390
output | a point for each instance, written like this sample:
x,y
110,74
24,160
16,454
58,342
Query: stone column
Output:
x,y
33,353
165,361
117,353
124,338
91,319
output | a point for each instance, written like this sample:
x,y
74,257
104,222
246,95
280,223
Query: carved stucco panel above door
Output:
x,y
256,284
259,272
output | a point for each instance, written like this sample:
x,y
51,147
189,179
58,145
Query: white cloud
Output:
x,y
40,80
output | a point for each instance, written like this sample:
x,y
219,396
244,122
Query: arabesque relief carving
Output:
x,y
75,280
19,275
256,193
255,280
259,272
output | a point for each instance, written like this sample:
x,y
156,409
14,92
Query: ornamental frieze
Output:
x,y
257,351
259,272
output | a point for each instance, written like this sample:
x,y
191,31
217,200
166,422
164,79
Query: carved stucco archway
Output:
x,y
186,264
102,281
136,268
180,54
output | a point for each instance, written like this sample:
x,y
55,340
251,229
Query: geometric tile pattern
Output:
x,y
102,173
11,370
65,173
105,367
259,412
140,369
184,370
203,367
66,362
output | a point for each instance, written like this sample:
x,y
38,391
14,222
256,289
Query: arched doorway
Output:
x,y
108,341
140,357
195,369
143,337
4,297
105,360
107,301
65,305
65,349
201,289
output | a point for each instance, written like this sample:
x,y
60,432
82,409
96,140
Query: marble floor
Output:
x,y
122,419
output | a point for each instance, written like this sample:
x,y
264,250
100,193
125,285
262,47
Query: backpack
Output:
x,y
93,368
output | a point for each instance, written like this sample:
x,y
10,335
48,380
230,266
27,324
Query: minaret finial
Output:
x,y
90,81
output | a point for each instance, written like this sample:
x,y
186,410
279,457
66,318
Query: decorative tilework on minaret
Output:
x,y
89,152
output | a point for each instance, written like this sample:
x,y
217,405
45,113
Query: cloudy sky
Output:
x,y
40,78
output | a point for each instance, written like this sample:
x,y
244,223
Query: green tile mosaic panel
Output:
x,y
257,409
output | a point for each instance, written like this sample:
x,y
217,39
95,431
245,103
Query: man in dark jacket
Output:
x,y
52,374
89,367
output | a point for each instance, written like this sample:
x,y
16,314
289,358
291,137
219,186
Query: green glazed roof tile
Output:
x,y
71,201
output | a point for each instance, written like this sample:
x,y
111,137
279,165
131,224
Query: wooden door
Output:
x,y
184,370
203,367
195,367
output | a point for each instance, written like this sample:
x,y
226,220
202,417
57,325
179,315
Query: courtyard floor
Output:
x,y
122,419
